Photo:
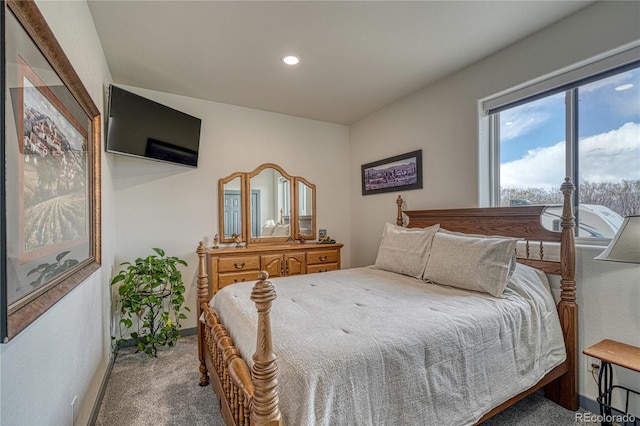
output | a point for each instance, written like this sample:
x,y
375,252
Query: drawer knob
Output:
x,y
235,265
235,280
323,258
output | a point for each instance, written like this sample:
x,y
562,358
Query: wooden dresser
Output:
x,y
230,265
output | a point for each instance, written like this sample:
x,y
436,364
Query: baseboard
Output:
x,y
588,404
188,331
103,387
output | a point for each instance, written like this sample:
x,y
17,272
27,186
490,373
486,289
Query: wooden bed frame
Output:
x,y
250,397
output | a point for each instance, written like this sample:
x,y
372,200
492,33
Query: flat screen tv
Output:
x,y
140,127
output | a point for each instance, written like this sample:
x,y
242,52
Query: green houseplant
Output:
x,y
150,301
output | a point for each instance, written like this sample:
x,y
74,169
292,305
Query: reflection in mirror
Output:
x,y
270,204
266,205
306,209
232,213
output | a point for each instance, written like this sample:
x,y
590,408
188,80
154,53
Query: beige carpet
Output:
x,y
158,391
165,391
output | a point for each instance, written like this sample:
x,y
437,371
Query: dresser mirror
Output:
x,y
266,205
231,207
306,196
270,190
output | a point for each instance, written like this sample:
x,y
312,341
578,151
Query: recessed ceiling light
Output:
x,y
624,87
290,60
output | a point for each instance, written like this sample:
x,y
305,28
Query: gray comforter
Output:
x,y
364,346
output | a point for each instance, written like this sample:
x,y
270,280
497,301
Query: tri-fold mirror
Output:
x,y
266,205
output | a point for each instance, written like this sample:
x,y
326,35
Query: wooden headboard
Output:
x,y
525,222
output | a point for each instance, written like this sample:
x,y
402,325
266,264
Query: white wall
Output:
x,y
442,119
175,207
146,204
608,298
65,352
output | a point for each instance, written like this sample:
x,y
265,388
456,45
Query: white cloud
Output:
x,y
606,157
521,123
610,82
528,117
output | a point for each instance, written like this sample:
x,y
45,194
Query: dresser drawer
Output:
x,y
321,257
238,264
312,269
232,265
234,278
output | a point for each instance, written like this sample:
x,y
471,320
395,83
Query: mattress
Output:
x,y
364,346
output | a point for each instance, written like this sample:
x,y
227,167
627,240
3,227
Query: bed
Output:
x,y
386,347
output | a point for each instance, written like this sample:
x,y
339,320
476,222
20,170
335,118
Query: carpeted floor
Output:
x,y
158,391
165,391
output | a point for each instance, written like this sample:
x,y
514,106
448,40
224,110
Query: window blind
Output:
x,y
628,58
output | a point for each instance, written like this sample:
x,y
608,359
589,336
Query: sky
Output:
x,y
532,136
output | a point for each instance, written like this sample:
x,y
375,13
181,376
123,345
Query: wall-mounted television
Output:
x,y
140,127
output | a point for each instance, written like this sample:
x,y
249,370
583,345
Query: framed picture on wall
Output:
x,y
51,156
52,196
397,173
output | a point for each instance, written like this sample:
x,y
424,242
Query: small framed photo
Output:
x,y
400,172
322,233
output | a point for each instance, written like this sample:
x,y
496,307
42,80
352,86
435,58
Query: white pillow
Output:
x,y
267,231
471,263
281,231
405,250
514,258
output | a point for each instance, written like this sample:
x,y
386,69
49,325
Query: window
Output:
x,y
592,126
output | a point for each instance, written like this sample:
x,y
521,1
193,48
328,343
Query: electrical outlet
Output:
x,y
593,364
74,411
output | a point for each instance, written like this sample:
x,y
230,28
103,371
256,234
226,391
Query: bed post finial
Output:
x,y
203,297
567,308
399,218
265,371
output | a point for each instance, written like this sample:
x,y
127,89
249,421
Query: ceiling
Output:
x,y
355,56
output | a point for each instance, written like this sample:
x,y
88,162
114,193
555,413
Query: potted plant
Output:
x,y
151,300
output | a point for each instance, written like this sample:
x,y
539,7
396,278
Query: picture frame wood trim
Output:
x,y
3,210
401,187
21,313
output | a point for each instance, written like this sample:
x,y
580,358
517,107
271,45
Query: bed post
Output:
x,y
203,297
265,371
399,218
567,388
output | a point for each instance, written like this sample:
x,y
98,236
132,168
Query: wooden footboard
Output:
x,y
247,397
230,376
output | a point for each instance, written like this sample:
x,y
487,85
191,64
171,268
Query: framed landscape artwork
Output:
x,y
51,172
397,173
